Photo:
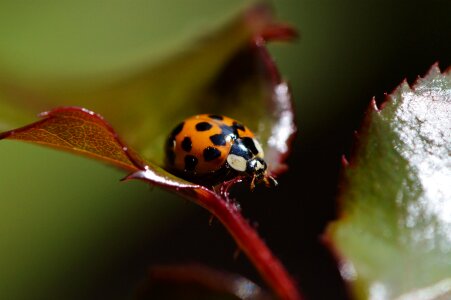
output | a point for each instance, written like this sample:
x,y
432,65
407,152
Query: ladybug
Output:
x,y
213,148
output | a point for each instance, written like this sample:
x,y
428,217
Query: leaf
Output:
x,y
211,70
195,281
393,238
77,130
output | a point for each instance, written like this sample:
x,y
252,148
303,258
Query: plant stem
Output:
x,y
270,268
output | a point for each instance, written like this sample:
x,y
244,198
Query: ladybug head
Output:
x,y
256,167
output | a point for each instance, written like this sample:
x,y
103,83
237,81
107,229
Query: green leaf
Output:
x,y
393,238
46,40
141,80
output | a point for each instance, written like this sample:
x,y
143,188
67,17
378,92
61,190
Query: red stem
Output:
x,y
248,240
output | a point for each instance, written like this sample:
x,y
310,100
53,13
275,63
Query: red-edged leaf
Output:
x,y
78,130
222,73
393,237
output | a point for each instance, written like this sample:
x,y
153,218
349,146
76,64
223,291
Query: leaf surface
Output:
x,y
77,130
393,237
49,40
212,68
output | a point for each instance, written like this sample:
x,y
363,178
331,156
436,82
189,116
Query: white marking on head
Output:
x,y
237,162
259,166
259,148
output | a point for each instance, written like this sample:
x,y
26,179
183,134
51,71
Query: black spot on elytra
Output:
x,y
216,117
218,139
190,162
177,129
249,143
211,153
203,126
239,126
187,144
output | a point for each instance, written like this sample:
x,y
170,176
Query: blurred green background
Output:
x,y
69,229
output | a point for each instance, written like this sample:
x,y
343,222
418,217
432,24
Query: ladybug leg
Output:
x,y
270,181
253,183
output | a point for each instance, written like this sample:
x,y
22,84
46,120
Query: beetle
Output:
x,y
213,148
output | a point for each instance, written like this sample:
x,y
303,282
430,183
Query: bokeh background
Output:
x,y
69,229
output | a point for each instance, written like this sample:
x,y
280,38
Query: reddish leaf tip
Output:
x,y
279,32
260,19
